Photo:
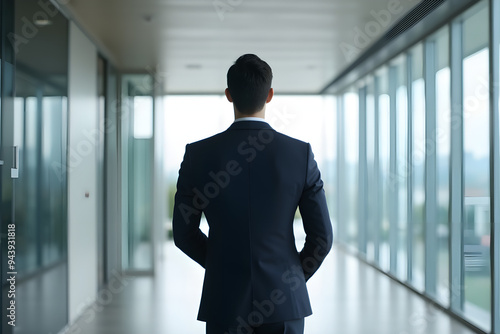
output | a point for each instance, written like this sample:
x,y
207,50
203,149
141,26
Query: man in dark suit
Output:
x,y
249,181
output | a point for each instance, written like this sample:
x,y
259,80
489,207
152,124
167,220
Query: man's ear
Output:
x,y
228,95
270,95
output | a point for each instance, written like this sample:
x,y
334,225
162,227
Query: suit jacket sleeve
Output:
x,y
316,220
187,215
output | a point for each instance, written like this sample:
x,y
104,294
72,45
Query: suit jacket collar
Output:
x,y
249,125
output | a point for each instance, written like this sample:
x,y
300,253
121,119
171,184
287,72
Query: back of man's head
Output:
x,y
249,81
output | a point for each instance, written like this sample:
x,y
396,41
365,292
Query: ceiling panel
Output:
x,y
192,43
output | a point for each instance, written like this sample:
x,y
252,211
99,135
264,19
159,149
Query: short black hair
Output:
x,y
249,81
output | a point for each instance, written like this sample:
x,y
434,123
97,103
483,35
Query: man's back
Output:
x,y
249,181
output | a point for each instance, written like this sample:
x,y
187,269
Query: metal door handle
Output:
x,y
14,171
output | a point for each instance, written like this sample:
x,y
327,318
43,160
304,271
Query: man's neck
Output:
x,y
258,114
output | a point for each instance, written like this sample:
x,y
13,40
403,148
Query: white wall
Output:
x,y
82,172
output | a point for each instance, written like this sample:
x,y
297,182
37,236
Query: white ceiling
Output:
x,y
192,43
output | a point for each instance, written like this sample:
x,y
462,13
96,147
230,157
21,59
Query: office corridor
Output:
x,y
399,99
347,295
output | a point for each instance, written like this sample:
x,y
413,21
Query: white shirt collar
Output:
x,y
250,119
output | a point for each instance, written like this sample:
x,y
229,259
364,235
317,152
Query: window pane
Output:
x,y
418,166
331,186
53,148
40,192
371,174
137,182
476,220
143,117
443,128
384,172
351,141
402,169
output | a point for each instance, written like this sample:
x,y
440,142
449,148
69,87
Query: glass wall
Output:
x,y
137,173
7,90
384,113
101,224
330,135
476,155
351,143
427,114
399,180
417,171
443,141
108,173
112,166
40,191
371,172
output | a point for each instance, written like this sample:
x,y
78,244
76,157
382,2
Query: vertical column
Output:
x,y
495,161
376,180
112,173
393,181
102,222
430,169
362,177
159,184
340,169
409,78
456,179
125,123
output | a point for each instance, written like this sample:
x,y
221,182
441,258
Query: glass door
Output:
x,y
137,174
7,227
34,172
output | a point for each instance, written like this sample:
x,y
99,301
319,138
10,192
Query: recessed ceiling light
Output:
x,y
42,22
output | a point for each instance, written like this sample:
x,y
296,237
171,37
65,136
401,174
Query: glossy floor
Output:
x,y
348,297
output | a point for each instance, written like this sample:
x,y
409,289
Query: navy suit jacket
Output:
x,y
249,181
